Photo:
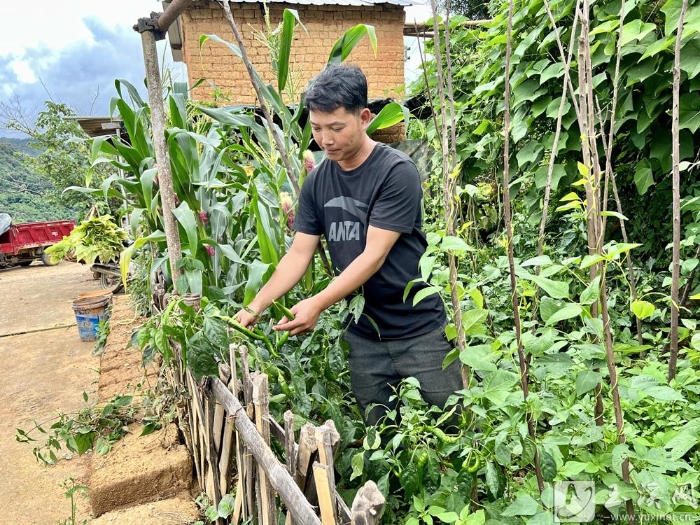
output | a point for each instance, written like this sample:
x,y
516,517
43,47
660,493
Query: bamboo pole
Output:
x,y
261,400
278,476
449,165
325,487
675,154
524,368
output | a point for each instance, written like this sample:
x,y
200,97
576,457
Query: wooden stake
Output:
x,y
261,399
367,505
325,488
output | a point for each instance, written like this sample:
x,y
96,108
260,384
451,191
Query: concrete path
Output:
x,y
45,370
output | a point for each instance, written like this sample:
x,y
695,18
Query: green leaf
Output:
x,y
185,216
529,153
256,272
425,292
636,30
226,506
495,481
672,10
555,70
390,115
289,19
643,309
659,46
497,385
568,312
478,358
690,58
592,292
685,440
548,307
689,108
663,393
524,505
542,172
473,321
358,465
548,465
542,260
227,116
555,289
477,518
586,380
346,43
643,176
127,253
450,242
606,27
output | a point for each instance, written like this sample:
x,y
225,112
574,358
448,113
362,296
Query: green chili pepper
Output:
x,y
472,462
285,311
422,457
442,437
251,334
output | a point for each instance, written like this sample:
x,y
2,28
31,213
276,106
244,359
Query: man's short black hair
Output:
x,y
339,86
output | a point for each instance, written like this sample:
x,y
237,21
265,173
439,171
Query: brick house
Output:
x,y
325,23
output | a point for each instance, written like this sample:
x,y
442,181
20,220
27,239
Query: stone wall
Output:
x,y
226,79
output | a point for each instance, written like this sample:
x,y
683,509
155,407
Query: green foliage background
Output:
x,y
25,194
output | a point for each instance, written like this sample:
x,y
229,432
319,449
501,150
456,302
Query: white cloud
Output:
x,y
23,71
58,24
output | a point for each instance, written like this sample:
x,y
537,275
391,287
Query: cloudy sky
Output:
x,y
71,51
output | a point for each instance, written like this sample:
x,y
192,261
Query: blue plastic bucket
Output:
x,y
89,311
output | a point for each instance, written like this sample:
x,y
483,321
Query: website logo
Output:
x,y
574,501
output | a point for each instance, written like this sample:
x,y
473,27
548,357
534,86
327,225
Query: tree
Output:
x,y
63,154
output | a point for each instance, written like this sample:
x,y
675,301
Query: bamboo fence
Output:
x,y
228,429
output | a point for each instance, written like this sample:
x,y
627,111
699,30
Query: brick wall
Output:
x,y
325,24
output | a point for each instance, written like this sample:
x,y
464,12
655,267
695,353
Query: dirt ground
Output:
x,y
45,370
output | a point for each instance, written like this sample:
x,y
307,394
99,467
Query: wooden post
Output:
x,y
367,505
165,177
307,454
327,439
289,444
261,400
325,488
226,450
247,388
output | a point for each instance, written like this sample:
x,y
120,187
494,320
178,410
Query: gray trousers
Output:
x,y
377,367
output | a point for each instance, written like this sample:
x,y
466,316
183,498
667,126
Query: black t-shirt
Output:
x,y
383,192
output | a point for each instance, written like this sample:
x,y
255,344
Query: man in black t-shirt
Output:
x,y
364,198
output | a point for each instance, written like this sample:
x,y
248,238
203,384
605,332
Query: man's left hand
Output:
x,y
306,314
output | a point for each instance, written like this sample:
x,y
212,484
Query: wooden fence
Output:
x,y
228,430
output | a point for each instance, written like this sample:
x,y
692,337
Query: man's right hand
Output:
x,y
247,316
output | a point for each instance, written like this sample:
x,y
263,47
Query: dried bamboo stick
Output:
x,y
325,488
261,400
280,479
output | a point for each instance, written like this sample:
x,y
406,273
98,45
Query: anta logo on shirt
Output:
x,y
344,231
347,230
